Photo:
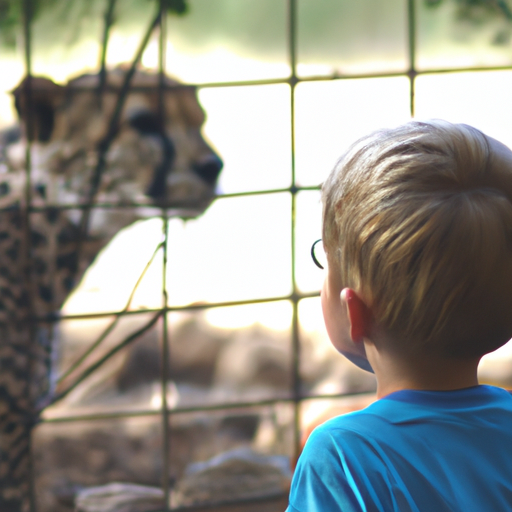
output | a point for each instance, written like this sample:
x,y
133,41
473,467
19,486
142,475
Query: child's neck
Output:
x,y
421,372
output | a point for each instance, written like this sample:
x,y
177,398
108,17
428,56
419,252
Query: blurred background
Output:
x,y
211,404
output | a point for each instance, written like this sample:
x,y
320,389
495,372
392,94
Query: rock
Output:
x,y
119,497
233,475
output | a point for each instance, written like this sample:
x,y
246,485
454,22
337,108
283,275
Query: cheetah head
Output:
x,y
156,155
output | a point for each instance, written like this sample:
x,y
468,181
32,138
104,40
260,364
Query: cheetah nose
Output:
x,y
208,169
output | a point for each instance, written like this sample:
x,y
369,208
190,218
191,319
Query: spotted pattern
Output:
x,y
148,161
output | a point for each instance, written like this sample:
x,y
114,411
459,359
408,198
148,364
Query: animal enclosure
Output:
x,y
160,168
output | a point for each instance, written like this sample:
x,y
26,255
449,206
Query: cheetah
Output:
x,y
92,143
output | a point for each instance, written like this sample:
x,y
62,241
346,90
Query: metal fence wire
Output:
x,y
167,412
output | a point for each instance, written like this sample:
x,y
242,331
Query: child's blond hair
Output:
x,y
418,220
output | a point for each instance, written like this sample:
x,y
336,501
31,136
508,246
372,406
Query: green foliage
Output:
x,y
478,11
179,7
475,14
69,14
11,16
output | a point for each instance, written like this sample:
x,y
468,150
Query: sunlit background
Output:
x,y
242,271
241,248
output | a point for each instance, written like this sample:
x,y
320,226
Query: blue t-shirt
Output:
x,y
412,451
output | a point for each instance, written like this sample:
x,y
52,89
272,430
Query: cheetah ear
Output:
x,y
45,96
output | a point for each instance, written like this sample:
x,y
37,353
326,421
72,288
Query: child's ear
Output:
x,y
359,315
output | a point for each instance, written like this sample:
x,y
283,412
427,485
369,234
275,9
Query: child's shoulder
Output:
x,y
357,421
421,407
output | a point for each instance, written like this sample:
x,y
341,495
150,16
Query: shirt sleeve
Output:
x,y
322,481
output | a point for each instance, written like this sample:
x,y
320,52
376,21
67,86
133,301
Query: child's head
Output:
x,y
418,221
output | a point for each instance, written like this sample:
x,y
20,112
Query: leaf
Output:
x,y
179,7
12,15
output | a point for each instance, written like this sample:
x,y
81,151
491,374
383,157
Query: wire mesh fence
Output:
x,y
234,396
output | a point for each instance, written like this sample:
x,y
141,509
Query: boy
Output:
x,y
417,227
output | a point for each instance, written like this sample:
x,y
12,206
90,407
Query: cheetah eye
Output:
x,y
146,123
